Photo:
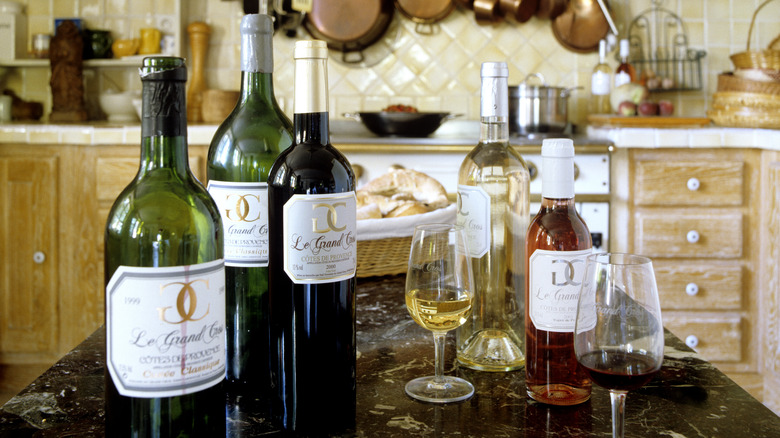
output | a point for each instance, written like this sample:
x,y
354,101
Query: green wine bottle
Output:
x,y
241,153
165,281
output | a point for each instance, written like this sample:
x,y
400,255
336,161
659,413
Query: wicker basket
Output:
x,y
725,100
768,58
383,256
731,83
745,118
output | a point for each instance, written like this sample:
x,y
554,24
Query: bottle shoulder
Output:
x,y
308,165
491,161
558,229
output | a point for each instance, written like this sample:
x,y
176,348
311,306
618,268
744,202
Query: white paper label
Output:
x,y
320,236
555,279
600,83
474,217
622,78
244,210
165,329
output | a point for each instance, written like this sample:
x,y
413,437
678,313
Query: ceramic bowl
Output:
x,y
118,106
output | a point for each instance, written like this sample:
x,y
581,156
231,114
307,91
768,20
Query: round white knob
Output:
x,y
692,236
692,289
693,184
39,257
691,341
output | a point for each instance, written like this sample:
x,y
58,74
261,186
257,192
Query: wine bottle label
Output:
x,y
320,235
622,78
244,210
474,217
599,83
555,278
165,329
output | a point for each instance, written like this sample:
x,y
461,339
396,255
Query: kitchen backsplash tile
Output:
x,y
438,72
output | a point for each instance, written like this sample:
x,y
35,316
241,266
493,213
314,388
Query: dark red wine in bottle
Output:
x,y
557,243
312,264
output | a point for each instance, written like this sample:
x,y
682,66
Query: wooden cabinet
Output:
x,y
54,201
769,257
693,212
29,211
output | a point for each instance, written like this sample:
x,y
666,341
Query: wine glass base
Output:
x,y
448,389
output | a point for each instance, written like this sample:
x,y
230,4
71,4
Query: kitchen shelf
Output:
x,y
659,47
88,63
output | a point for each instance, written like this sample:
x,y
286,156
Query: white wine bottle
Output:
x,y
240,156
165,281
557,244
312,264
601,83
493,208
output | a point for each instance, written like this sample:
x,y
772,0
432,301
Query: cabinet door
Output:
x,y
28,267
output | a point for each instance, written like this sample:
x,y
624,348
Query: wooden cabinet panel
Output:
x,y
28,249
664,182
685,286
719,337
662,233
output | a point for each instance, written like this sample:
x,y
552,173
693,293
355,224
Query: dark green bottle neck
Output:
x,y
258,86
312,128
164,126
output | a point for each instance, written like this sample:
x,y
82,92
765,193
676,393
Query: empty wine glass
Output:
x,y
618,335
439,292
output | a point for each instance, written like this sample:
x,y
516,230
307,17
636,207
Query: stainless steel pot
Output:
x,y
538,108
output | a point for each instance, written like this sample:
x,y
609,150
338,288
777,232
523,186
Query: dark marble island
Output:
x,y
688,398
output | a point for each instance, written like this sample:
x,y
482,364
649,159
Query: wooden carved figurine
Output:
x,y
67,85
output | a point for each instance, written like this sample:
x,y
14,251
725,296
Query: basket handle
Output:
x,y
775,42
753,21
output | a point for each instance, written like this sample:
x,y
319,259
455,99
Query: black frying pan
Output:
x,y
384,123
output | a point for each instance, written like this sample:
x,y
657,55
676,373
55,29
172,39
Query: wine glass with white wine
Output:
x,y
619,335
439,293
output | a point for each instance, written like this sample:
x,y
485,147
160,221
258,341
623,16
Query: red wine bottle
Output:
x,y
556,246
312,263
241,154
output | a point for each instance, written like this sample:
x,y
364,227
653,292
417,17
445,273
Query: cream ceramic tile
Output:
x,y
42,24
76,135
693,9
672,137
361,79
13,134
91,8
706,138
43,136
738,137
110,136
116,7
718,33
141,7
64,9
38,7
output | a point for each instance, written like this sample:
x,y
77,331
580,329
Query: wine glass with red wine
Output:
x,y
439,292
619,335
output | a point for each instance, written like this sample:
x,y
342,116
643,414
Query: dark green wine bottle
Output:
x,y
240,156
165,282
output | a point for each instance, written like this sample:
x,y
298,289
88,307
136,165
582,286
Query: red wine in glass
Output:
x,y
620,370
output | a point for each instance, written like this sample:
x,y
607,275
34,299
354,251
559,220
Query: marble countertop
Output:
x,y
452,133
688,398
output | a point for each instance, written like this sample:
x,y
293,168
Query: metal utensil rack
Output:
x,y
659,48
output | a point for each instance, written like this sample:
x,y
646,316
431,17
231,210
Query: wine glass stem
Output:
x,y
618,399
438,343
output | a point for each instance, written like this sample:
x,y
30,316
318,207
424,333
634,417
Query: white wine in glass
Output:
x,y
439,293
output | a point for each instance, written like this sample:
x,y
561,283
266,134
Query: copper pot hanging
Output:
x,y
581,26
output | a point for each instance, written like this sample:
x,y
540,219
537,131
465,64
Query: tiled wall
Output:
x,y
432,72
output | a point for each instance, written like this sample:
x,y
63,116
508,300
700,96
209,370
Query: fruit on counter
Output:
x,y
400,192
647,108
665,107
400,108
626,108
628,92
